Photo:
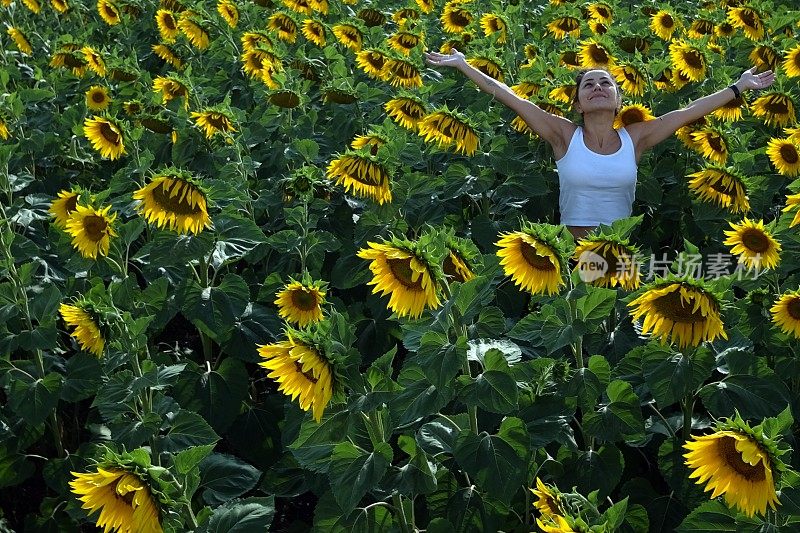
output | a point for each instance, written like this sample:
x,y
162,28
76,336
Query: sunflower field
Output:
x,y
264,268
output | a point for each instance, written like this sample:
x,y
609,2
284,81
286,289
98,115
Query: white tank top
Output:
x,y
596,188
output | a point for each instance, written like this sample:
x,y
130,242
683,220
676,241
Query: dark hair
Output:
x,y
579,78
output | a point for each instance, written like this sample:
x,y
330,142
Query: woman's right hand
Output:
x,y
455,59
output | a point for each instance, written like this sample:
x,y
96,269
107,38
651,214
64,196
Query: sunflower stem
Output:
x,y
687,405
397,500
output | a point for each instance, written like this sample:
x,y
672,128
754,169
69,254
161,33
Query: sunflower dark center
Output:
x,y
217,121
789,154
719,186
71,203
569,58
793,308
693,59
602,12
748,18
755,241
777,107
598,54
285,25
304,300
412,110
95,227
376,61
459,19
726,446
539,262
109,134
704,27
673,308
169,22
110,11
667,21
178,204
98,97
715,143
401,269
567,24
308,375
632,116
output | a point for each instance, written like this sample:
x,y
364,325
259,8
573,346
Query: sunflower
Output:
x,y
601,12
400,73
212,122
109,12
688,59
284,25
122,497
253,61
406,111
270,66
570,59
373,63
534,263
372,17
94,60
228,11
371,140
83,318
302,371
404,15
255,39
793,134
60,5
404,42
299,6
631,114
730,111
488,67
593,54
679,311
320,6
792,203
700,28
526,89
456,267
445,128
563,93
492,23
454,19
754,244
614,257
426,6
734,464
548,503
301,303
631,80
170,88
167,25
174,200
314,31
67,59
165,53
97,98
684,133
23,45
663,24
597,27
764,57
63,206
33,5
556,524
361,176
105,136
724,29
563,27
663,82
792,62
401,270
3,129
711,144
786,313
777,109
785,156
198,37
91,230
348,35
721,187
748,20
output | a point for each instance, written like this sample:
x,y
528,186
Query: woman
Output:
x,y
597,164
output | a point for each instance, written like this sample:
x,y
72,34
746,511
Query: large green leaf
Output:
x,y
185,429
354,472
224,477
752,396
593,470
418,398
216,394
83,377
620,417
494,391
251,515
215,309
672,375
316,441
34,399
713,515
492,463
439,359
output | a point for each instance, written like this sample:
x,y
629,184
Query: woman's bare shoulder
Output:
x,y
561,143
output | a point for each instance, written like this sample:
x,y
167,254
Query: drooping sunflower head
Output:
x,y
255,59
84,318
94,60
314,31
361,174
105,135
63,206
304,369
764,57
97,98
785,156
786,313
721,186
403,73
739,462
700,28
548,502
749,20
711,143
495,24
60,5
534,257
426,6
167,23
109,12
373,63
300,302
731,111
122,494
372,140
754,244
406,110
685,311
229,12
631,114
91,230
300,6
350,35
563,93
66,58
372,17
174,199
664,23
462,259
406,270
166,53
306,183
255,39
405,15
775,108
213,121
600,11
193,29
608,261
595,54
688,60
404,41
455,19
20,39
170,88
446,127
490,66
791,65
562,27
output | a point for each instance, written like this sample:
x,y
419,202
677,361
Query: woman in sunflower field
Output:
x,y
597,164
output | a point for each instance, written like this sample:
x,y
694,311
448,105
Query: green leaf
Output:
x,y
621,417
83,377
224,477
593,470
185,429
44,305
438,436
188,459
586,385
713,515
157,377
491,462
354,472
754,397
494,391
14,467
34,399
671,375
217,395
416,477
315,443
251,515
235,237
597,304
439,359
419,397
214,309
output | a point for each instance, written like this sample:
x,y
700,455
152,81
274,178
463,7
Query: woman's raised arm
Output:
x,y
550,127
649,133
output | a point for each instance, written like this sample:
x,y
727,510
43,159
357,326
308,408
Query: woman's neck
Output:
x,y
599,128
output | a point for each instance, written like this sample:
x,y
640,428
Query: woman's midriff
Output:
x,y
580,232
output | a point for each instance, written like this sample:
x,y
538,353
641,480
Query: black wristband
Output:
x,y
737,93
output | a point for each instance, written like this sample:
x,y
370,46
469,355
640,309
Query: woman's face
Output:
x,y
597,91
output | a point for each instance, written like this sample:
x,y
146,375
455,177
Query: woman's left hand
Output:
x,y
750,80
